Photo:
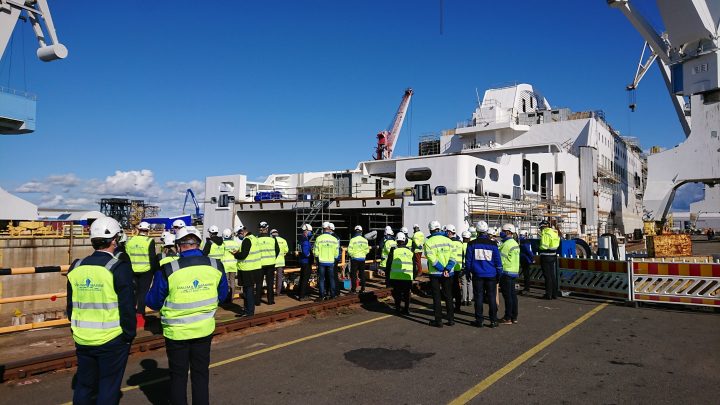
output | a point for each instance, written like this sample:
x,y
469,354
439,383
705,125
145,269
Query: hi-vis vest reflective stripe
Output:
x,y
419,239
252,261
510,256
438,249
326,248
189,309
284,249
137,248
387,245
228,260
95,318
167,259
216,251
401,267
358,247
458,252
266,244
549,240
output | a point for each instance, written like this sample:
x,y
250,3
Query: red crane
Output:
x,y
386,140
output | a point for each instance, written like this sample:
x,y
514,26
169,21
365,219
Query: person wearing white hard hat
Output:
x,y
473,232
168,253
466,291
269,250
143,256
439,254
549,244
482,262
101,311
213,244
120,252
457,255
326,251
230,246
400,273
510,257
304,254
336,267
418,239
249,270
387,244
279,260
187,292
358,249
177,224
527,257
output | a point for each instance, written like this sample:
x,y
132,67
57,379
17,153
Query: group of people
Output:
x,y
109,290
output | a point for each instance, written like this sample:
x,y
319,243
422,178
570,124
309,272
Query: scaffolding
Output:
x,y
429,144
127,212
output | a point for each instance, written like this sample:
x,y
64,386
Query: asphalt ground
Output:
x,y
569,350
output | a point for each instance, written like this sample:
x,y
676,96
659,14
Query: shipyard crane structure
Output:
x,y
386,140
17,108
198,216
688,56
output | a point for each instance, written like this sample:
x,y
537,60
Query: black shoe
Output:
x,y
545,297
320,299
435,324
450,323
494,324
477,324
406,311
362,291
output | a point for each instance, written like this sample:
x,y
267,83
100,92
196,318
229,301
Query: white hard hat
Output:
x,y
400,237
466,235
508,228
272,231
444,228
493,231
104,228
143,226
524,232
434,225
404,229
358,228
326,225
482,227
306,227
178,223
450,228
123,236
472,230
169,240
332,226
213,229
416,226
164,235
227,233
187,231
239,227
263,225
389,231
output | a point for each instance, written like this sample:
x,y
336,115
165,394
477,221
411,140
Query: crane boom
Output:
x,y
189,193
388,139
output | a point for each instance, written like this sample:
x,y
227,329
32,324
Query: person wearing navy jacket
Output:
x,y
527,257
304,253
482,261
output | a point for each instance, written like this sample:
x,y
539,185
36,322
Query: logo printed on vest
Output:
x,y
89,286
194,287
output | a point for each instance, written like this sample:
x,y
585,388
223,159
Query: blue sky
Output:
x,y
155,96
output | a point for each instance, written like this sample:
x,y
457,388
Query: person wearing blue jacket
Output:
x,y
482,262
527,257
304,253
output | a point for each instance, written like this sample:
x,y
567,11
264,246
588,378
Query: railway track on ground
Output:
x,y
64,360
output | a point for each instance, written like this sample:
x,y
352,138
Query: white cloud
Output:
x,y
81,203
686,194
132,183
33,187
67,180
52,201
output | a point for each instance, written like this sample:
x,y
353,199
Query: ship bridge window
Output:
x,y
423,192
526,174
535,176
440,190
516,180
480,171
418,174
494,175
559,176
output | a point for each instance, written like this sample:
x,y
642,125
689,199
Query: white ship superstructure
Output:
x,y
516,160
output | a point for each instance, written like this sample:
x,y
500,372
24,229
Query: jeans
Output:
x,y
142,286
485,286
439,283
100,371
326,272
305,271
269,273
547,262
195,355
507,286
357,269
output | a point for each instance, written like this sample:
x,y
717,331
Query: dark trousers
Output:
x,y
439,283
485,287
357,268
507,287
269,273
100,372
325,273
547,262
249,280
195,355
525,270
401,293
142,286
457,297
305,270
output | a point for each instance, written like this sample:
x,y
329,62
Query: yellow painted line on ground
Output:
x,y
261,351
494,377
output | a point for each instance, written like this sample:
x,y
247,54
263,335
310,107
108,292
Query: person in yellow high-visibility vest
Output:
x,y
510,258
441,265
549,244
358,249
229,261
187,292
101,311
279,260
249,269
400,272
213,244
143,256
269,250
326,251
418,240
168,253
